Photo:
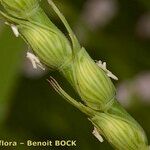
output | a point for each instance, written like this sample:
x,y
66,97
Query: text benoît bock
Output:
x,y
30,143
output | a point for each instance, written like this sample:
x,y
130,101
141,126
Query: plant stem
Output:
x,y
89,79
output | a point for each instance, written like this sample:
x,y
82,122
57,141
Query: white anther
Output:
x,y
103,66
97,135
7,23
112,75
15,30
35,61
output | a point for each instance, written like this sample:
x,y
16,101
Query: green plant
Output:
x,y
90,79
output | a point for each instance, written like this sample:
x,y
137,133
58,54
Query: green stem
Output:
x,y
90,81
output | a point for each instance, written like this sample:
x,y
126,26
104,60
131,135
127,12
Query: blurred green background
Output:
x,y
115,31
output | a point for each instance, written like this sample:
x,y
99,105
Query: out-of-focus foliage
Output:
x,y
10,58
32,110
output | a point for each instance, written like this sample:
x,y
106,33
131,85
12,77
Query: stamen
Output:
x,y
7,23
35,61
103,66
97,135
15,30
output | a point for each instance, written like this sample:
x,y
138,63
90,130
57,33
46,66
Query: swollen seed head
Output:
x,y
46,40
20,8
122,133
93,84
49,44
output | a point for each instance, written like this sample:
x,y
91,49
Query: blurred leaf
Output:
x,y
145,3
10,58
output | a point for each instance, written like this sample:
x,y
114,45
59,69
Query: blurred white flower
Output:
x,y
143,26
97,13
124,93
141,86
